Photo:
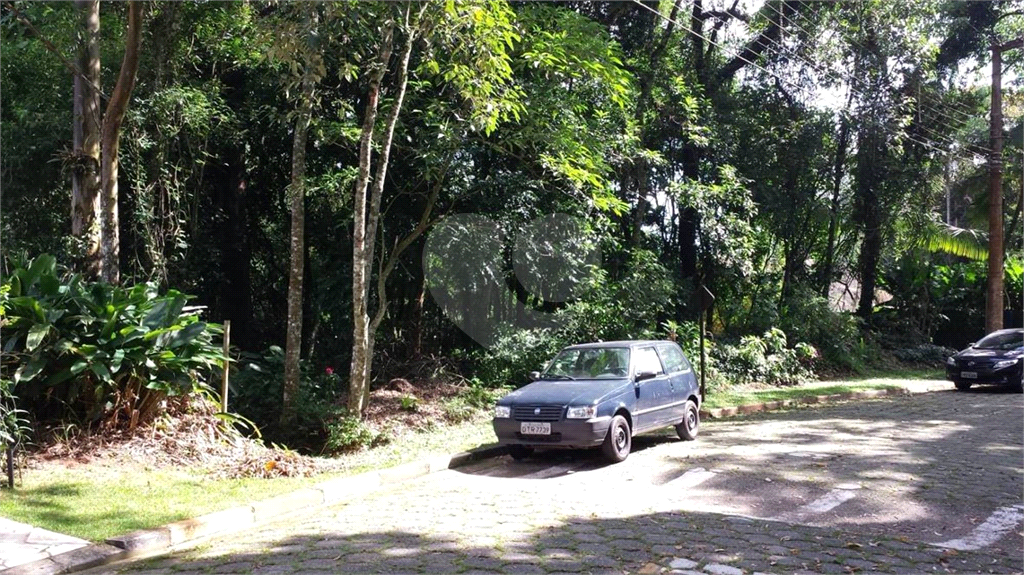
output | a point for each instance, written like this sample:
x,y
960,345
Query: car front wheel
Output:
x,y
690,425
618,441
962,385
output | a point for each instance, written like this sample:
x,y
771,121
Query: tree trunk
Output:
x,y
373,215
365,232
833,214
869,177
297,198
360,263
113,117
85,177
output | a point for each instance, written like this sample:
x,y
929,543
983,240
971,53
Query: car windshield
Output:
x,y
1002,341
589,363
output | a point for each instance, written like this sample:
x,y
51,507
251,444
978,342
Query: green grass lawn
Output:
x,y
745,397
93,502
888,379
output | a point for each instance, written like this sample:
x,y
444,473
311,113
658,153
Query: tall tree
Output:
x,y
110,143
367,207
476,38
85,175
301,51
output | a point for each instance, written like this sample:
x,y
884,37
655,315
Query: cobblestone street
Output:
x,y
915,484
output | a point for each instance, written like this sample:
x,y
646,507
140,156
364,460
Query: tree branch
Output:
x,y
756,47
52,48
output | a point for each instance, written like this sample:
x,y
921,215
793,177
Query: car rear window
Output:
x,y
673,357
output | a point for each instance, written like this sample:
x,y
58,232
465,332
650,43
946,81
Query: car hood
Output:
x,y
565,392
976,353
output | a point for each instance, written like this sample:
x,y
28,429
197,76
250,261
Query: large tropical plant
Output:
x,y
91,352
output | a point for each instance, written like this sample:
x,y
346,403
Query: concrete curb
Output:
x,y
720,412
148,542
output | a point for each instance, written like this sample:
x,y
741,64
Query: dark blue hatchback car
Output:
x,y
601,394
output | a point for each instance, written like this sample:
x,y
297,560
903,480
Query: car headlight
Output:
x,y
501,411
950,361
1005,363
582,412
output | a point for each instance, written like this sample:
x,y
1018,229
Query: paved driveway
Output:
x,y
923,483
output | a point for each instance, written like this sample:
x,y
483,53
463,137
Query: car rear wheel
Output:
x,y
962,385
519,452
690,426
618,441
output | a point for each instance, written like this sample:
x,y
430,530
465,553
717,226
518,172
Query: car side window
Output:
x,y
647,360
673,357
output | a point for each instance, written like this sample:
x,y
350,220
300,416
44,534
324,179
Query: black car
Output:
x,y
601,394
996,358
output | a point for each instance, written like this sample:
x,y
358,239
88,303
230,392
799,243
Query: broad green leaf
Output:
x,y
115,361
101,371
30,370
36,335
185,335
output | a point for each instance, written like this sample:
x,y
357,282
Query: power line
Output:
x,y
853,82
740,56
965,116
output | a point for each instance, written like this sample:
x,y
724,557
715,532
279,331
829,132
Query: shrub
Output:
x,y
92,352
474,400
409,403
765,359
348,433
257,390
808,318
925,353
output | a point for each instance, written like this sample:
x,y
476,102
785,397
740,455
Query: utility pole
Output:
x,y
994,292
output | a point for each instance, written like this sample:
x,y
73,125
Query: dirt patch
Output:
x,y
195,438
401,404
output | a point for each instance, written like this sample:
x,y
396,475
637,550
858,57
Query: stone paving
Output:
x,y
21,543
878,485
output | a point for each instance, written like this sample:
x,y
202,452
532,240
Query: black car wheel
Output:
x,y
962,385
690,426
519,452
618,441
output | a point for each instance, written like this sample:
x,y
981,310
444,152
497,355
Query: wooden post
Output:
x,y
10,465
227,367
703,361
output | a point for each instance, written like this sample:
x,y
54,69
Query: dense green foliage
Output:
x,y
88,352
816,165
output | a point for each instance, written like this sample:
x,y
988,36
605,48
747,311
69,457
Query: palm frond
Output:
x,y
964,242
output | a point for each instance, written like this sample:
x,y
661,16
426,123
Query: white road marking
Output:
x,y
827,502
1004,520
691,478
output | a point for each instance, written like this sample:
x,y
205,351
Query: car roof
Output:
x,y
622,343
1009,330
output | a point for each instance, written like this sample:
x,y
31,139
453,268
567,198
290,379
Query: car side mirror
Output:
x,y
971,344
642,375
534,375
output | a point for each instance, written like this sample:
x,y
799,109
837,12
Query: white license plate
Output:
x,y
969,374
531,428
